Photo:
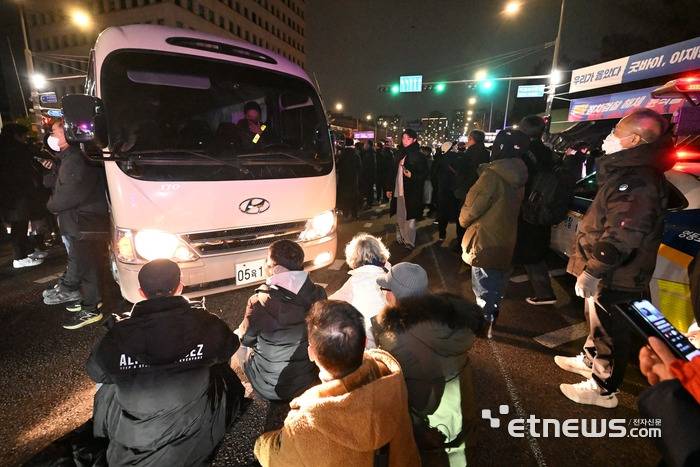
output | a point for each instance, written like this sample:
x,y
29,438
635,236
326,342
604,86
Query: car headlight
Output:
x,y
319,226
146,245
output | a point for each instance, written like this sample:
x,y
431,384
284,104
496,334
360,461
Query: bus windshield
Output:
x,y
181,117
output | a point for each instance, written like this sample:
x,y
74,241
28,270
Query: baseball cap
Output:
x,y
159,277
405,280
509,143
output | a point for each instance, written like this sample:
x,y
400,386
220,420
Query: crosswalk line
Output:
x,y
562,336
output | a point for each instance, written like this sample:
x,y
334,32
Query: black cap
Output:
x,y
509,143
410,132
159,278
251,105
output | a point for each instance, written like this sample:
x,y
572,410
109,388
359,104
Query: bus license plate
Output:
x,y
252,271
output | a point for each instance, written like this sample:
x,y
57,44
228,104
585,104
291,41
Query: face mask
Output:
x,y
52,142
611,144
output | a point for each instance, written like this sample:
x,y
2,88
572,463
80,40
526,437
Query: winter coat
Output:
x,y
416,162
362,292
618,238
343,422
468,169
430,337
349,168
79,196
490,214
274,327
168,392
679,415
369,167
16,179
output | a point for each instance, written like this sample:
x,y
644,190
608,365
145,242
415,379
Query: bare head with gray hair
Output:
x,y
365,249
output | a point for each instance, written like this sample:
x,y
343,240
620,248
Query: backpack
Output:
x,y
550,193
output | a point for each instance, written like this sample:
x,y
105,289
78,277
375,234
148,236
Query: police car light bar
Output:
x,y
688,87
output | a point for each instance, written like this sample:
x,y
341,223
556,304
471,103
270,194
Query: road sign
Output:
x,y
531,90
411,83
48,98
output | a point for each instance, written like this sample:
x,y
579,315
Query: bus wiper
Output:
x,y
233,163
298,160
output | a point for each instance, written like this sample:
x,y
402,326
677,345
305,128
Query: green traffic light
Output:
x,y
440,88
394,89
487,86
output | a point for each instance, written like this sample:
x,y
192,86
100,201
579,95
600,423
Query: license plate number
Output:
x,y
252,271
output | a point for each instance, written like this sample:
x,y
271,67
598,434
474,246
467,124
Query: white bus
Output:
x,y
185,180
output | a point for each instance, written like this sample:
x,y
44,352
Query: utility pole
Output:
x,y
34,93
505,117
555,63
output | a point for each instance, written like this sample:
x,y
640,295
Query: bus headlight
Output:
x,y
146,245
319,226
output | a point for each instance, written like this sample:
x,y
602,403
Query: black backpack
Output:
x,y
551,192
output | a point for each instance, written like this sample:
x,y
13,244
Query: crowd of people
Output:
x,y
378,372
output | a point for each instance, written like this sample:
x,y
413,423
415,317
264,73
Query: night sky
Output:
x,y
355,45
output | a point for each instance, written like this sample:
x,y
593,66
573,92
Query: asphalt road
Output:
x,y
45,392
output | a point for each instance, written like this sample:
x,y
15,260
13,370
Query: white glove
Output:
x,y
586,285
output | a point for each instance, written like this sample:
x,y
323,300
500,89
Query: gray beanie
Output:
x,y
405,280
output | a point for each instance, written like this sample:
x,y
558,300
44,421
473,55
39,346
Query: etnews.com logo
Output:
x,y
575,427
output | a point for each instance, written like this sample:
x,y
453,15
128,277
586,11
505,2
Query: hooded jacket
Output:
x,y
344,421
169,393
490,214
79,198
618,238
416,162
274,326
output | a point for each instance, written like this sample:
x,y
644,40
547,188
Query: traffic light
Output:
x,y
394,89
440,88
486,86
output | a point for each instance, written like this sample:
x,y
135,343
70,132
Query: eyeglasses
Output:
x,y
631,134
384,289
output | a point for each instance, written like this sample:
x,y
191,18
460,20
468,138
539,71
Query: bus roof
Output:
x,y
188,42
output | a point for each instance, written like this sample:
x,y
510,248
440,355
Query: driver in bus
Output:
x,y
251,127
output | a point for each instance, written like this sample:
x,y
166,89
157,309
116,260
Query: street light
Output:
x,y
480,74
39,81
472,100
81,19
470,112
368,117
511,8
555,77
384,124
338,106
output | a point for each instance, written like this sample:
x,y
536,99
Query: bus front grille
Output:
x,y
244,239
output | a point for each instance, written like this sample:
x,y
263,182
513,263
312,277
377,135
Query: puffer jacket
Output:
x,y
618,238
274,327
345,421
490,214
168,393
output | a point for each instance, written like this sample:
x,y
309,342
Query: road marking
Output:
x,y
367,225
46,279
337,264
562,336
512,392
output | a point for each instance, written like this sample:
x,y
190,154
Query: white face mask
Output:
x,y
52,142
611,144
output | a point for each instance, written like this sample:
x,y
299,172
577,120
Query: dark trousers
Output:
x,y
608,345
19,239
70,279
88,259
538,273
369,192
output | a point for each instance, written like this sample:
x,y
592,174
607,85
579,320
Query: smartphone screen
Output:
x,y
674,339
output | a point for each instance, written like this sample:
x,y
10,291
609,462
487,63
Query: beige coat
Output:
x,y
342,422
490,214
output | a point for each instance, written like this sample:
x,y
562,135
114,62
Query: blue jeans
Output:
x,y
489,286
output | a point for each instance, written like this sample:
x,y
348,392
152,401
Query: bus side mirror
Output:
x,y
84,120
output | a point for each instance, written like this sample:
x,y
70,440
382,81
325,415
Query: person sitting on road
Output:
x,y
403,280
358,415
276,360
368,259
430,336
167,393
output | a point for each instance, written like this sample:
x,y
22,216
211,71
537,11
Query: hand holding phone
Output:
x,y
655,361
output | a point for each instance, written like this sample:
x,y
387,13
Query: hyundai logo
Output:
x,y
254,205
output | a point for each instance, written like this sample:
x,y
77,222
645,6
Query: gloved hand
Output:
x,y
586,285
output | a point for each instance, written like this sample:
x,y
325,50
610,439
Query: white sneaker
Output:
x,y
588,392
575,364
39,254
26,262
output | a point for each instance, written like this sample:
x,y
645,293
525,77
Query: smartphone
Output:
x,y
649,321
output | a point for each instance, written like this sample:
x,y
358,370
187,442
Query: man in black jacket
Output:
x,y
167,393
275,358
349,167
407,178
79,202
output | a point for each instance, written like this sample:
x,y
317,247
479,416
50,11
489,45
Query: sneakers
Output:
x,y
78,307
60,295
50,291
83,318
541,300
486,329
588,392
575,364
39,254
27,262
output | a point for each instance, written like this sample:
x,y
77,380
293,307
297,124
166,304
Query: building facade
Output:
x,y
458,125
60,48
434,129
